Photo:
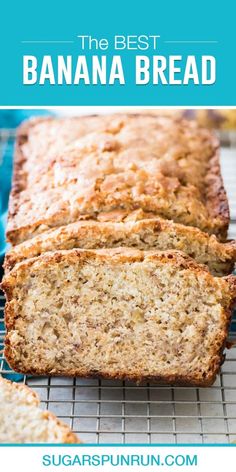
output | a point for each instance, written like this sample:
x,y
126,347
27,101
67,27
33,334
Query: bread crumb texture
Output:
x,y
96,167
22,421
117,313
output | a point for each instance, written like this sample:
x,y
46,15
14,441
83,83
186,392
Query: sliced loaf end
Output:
x,y
22,421
118,313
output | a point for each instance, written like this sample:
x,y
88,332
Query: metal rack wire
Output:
x,y
121,412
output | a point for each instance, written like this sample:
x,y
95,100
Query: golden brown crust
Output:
x,y
33,399
68,437
176,380
30,214
153,233
216,197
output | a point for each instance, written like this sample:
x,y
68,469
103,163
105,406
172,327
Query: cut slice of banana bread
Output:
x,y
77,168
22,421
155,233
117,313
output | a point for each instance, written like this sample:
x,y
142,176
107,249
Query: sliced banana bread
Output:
x,y
155,233
22,421
117,313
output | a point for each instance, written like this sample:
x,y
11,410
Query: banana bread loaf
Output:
x,y
155,233
117,313
92,167
22,421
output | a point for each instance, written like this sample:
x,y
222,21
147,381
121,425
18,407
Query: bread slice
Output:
x,y
154,234
22,421
81,168
119,314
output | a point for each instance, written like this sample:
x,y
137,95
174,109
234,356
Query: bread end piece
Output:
x,y
22,421
118,313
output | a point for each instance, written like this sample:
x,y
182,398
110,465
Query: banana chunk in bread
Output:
x,y
80,168
22,421
154,234
117,313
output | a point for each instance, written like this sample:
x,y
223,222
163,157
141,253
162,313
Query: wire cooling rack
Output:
x,y
121,412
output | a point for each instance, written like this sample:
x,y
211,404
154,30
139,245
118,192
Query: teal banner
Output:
x,y
175,53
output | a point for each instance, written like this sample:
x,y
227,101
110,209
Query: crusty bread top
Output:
x,y
22,421
68,169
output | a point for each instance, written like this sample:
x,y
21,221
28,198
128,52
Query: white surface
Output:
x,y
105,458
